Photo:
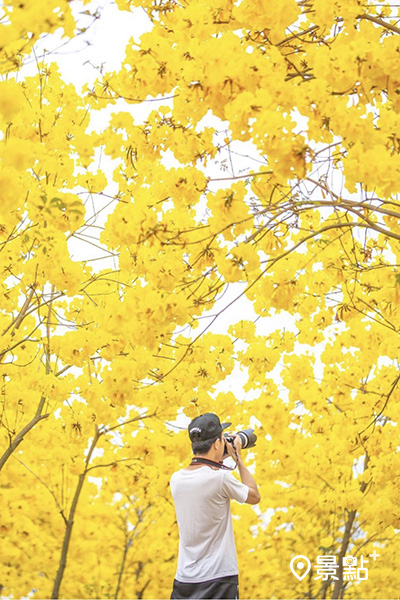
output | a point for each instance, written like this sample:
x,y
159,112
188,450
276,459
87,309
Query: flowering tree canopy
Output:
x,y
241,166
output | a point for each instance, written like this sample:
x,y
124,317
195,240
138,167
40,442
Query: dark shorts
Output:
x,y
222,587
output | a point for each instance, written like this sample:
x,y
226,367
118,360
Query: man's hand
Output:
x,y
234,452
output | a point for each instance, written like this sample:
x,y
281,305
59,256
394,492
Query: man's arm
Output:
x,y
248,479
245,475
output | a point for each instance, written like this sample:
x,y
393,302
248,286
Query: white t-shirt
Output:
x,y
202,505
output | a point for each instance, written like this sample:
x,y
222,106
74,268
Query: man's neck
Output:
x,y
202,460
205,457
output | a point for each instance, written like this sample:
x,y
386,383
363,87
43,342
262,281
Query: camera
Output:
x,y
247,437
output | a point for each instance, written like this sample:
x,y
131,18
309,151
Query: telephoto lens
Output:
x,y
247,437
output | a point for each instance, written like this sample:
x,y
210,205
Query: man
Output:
x,y
207,562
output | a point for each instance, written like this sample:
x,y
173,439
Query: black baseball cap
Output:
x,y
205,427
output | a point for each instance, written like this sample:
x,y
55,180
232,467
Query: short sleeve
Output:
x,y
232,488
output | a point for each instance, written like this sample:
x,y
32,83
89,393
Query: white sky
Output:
x,y
103,43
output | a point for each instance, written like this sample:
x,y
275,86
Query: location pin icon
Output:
x,y
300,566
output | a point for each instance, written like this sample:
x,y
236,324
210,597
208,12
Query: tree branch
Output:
x,y
338,588
39,416
381,22
20,436
71,517
128,544
46,486
18,320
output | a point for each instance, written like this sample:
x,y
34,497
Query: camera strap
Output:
x,y
211,463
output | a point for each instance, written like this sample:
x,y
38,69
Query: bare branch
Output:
x,y
380,22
